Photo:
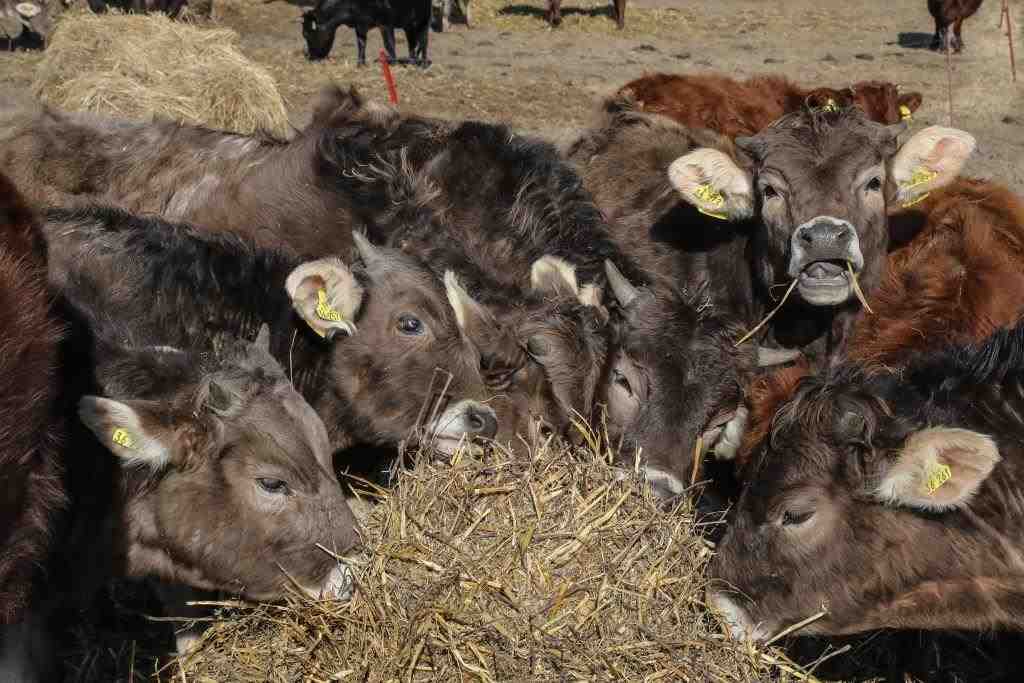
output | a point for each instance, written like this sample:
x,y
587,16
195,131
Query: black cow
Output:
x,y
320,24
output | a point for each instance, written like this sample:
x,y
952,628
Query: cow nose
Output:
x,y
825,235
482,421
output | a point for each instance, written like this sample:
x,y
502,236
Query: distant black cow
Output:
x,y
413,16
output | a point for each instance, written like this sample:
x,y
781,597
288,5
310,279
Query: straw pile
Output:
x,y
140,66
491,568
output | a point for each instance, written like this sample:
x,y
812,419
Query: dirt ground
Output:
x,y
511,67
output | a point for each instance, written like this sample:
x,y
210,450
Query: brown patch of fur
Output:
x,y
741,108
30,486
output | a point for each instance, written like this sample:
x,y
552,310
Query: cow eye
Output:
x,y
410,324
875,184
272,485
620,379
768,192
794,518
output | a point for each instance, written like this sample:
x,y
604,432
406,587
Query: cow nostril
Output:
x,y
483,423
806,237
476,422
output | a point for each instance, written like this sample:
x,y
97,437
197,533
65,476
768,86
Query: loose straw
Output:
x,y
768,317
857,290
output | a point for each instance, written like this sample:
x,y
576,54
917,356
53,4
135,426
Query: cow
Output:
x,y
370,345
320,24
742,108
954,276
171,452
886,500
948,13
553,14
31,427
802,204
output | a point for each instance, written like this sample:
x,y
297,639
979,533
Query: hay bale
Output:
x,y
490,568
140,66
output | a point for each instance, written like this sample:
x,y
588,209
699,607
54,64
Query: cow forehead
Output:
x,y
282,415
815,145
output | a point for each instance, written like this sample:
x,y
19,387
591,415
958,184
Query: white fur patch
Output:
x,y
118,427
729,443
741,626
970,457
27,9
664,483
706,166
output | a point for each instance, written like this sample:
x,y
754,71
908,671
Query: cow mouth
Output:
x,y
824,283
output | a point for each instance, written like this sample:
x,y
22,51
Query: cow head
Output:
x,y
881,101
320,25
228,470
853,505
820,184
402,359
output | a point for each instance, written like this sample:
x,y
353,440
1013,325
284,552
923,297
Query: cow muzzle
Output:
x,y
462,421
820,251
740,624
337,585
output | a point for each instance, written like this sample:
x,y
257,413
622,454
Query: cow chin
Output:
x,y
336,586
740,624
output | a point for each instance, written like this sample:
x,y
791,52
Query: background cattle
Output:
x,y
320,24
903,487
31,427
741,108
554,12
692,208
949,13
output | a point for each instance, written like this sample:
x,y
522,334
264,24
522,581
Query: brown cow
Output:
x,y
812,209
31,429
742,108
955,277
950,13
888,500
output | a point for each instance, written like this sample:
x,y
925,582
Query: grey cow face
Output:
x,y
229,475
821,183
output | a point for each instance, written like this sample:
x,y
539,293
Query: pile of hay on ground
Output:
x,y
489,568
139,66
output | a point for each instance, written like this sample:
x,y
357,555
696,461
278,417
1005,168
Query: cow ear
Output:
x,y
939,468
326,295
929,160
554,276
473,319
130,430
908,103
711,181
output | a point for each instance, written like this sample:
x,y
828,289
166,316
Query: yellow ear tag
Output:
x,y
905,113
830,105
919,177
710,195
938,475
122,438
324,310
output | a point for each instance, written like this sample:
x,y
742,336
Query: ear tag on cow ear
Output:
x,y
919,177
938,474
905,113
324,310
122,438
830,106
710,195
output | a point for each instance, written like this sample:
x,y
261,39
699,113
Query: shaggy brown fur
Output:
x,y
30,432
740,108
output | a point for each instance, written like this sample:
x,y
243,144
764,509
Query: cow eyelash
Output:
x,y
620,379
271,485
792,519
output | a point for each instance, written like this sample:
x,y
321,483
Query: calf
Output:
x,y
742,108
807,199
362,343
220,479
554,13
31,427
887,500
320,24
950,13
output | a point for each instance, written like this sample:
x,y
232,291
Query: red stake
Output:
x,y
388,78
